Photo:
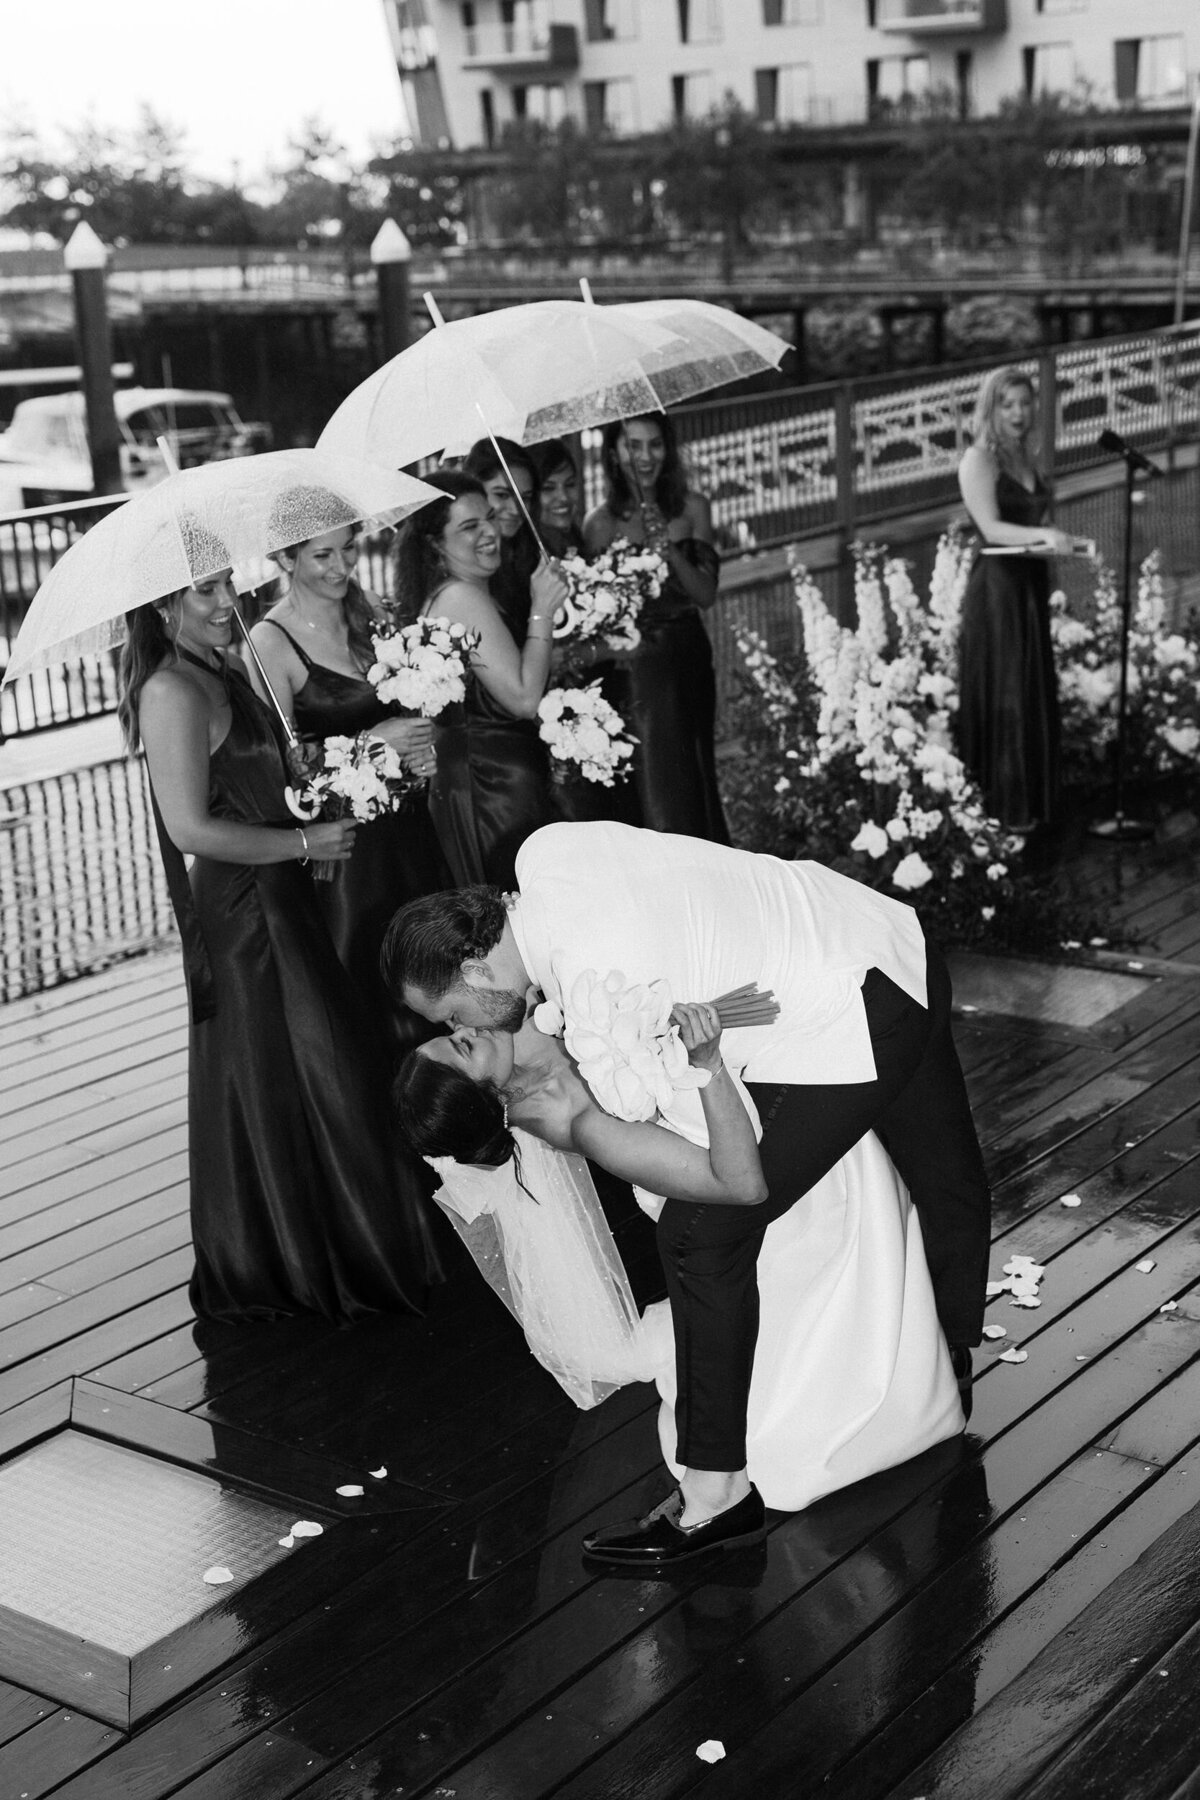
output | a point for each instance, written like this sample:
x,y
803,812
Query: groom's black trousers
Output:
x,y
918,1106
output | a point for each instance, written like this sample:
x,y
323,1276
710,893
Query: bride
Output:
x,y
851,1371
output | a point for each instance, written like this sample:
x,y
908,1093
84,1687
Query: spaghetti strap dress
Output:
x,y
297,1202
673,706
1008,723
492,786
396,858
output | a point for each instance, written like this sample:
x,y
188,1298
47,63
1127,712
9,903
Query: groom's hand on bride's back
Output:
x,y
700,1033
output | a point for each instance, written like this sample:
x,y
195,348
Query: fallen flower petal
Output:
x,y
377,1474
1013,1356
996,1287
712,1750
1070,1200
1024,1300
1169,1306
351,1490
287,1542
1135,965
307,1528
1145,1266
217,1576
995,1331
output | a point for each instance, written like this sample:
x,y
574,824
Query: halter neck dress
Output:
x,y
297,1202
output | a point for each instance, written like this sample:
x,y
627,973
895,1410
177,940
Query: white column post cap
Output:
x,y
389,245
84,250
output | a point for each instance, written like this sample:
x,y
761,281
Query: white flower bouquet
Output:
x,y
361,777
605,597
423,667
628,1051
582,728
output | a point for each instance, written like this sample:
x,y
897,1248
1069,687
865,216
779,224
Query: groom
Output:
x,y
862,1043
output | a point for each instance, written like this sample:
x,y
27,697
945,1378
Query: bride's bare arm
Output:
x,y
727,1173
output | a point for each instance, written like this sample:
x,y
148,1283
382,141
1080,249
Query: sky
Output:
x,y
239,76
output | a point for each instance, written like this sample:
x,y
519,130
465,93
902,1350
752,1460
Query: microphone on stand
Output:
x,y
1111,440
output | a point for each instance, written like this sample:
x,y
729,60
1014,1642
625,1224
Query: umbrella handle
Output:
x,y
289,730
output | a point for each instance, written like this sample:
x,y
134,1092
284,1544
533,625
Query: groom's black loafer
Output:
x,y
658,1541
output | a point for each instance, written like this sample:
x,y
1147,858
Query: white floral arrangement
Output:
x,y
423,667
605,597
868,776
581,728
1163,698
621,1037
359,777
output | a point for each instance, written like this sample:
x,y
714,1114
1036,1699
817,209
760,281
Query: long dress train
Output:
x,y
296,1202
1008,722
851,1370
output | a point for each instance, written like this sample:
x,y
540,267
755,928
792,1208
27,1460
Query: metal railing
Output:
x,y
81,882
777,467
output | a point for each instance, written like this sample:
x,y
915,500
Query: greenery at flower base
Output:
x,y
850,751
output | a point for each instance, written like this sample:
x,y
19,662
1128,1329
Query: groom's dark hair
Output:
x,y
430,939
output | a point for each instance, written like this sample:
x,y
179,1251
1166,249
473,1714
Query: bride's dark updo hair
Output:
x,y
442,1112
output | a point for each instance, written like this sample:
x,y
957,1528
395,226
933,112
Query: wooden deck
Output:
x,y
1016,1614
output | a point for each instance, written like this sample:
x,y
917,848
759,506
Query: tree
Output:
x,y
719,172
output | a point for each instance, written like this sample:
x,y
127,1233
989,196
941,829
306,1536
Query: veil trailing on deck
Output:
x,y
546,1249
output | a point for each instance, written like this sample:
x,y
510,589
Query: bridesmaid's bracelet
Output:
x,y
304,841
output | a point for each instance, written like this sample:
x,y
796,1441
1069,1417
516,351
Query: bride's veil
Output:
x,y
543,1243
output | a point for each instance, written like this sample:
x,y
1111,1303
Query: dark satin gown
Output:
x,y
297,1202
1008,723
396,858
492,787
673,705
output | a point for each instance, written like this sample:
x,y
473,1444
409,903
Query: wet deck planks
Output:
x,y
994,1617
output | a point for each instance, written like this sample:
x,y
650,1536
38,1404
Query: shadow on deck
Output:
x,y
1015,1614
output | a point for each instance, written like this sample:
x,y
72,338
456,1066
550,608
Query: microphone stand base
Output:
x,y
1120,830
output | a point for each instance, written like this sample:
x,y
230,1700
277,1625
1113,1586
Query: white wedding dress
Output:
x,y
851,1371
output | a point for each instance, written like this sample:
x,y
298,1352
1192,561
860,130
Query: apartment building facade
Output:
x,y
468,68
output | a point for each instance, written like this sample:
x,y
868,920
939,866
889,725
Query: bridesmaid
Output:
x,y
559,491
559,496
297,1203
1008,721
672,681
519,553
492,786
315,646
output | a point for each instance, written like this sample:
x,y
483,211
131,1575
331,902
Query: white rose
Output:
x,y
913,872
872,838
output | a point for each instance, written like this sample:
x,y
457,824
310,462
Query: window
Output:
x,y
964,82
609,106
524,25
542,103
699,21
784,96
791,12
691,95
1151,69
607,19
1049,69
469,22
487,116
891,80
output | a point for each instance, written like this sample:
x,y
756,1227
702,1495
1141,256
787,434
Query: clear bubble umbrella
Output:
x,y
523,372
193,525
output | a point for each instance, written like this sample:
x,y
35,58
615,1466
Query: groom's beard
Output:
x,y
505,1007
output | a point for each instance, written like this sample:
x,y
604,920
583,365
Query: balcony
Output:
x,y
924,18
522,48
